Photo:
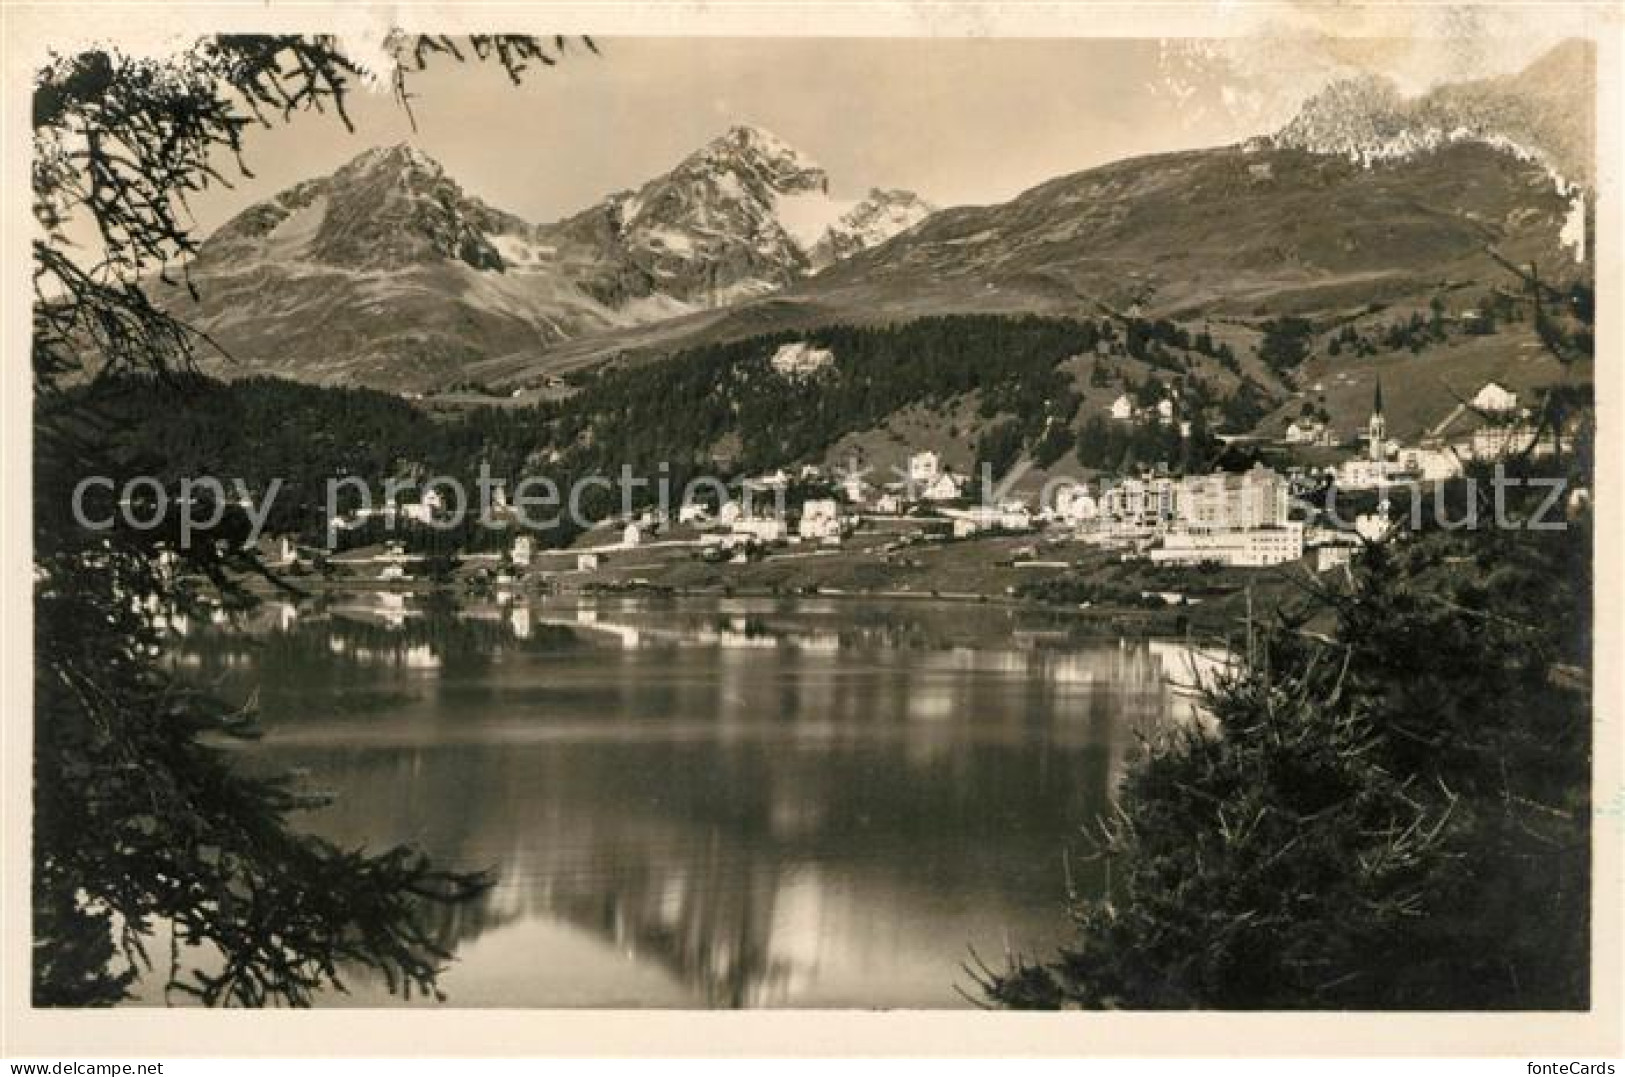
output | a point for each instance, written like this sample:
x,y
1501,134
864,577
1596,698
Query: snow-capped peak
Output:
x,y
879,216
389,207
828,229
401,157
1359,117
759,143
759,140
758,159
745,214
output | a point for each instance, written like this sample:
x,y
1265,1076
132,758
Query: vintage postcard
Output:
x,y
550,526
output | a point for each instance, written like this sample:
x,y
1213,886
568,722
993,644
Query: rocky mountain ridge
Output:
x,y
745,215
387,272
1545,112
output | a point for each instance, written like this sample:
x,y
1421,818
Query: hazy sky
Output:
x,y
957,120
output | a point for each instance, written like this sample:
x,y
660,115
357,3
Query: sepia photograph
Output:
x,y
683,517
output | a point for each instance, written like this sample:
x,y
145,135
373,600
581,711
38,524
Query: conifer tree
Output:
x,y
141,825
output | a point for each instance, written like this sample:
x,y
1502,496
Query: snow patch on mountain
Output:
x,y
521,254
744,215
290,237
808,215
386,270
869,223
1541,115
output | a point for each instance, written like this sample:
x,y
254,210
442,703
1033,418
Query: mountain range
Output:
x,y
388,273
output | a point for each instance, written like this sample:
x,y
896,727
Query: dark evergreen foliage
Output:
x,y
1394,814
141,823
1285,343
1397,817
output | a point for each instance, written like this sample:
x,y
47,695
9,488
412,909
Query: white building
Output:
x,y
632,535
853,488
1231,519
1307,431
1074,504
587,562
1257,548
973,521
1014,515
1375,469
778,479
1374,526
945,487
425,511
1140,502
1499,441
1330,547
923,468
1358,474
523,548
1495,399
820,521
1123,408
763,529
1222,501
692,512
1008,516
1496,441
1333,555
1429,464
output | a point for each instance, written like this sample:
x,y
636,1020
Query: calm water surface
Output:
x,y
709,802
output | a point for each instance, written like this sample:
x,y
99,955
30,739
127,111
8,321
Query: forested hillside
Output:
x,y
721,409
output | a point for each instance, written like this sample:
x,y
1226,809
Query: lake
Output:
x,y
709,802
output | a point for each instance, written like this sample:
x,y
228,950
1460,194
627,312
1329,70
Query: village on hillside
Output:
x,y
834,529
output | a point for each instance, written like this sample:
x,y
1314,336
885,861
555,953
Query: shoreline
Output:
x,y
1148,623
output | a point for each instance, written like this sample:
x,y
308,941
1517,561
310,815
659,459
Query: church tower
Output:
x,y
1377,428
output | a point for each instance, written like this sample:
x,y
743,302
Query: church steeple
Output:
x,y
1377,427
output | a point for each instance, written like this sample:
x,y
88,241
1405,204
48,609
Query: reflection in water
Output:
x,y
710,802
